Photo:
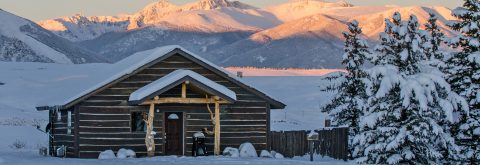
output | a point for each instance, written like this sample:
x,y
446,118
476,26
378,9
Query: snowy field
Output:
x,y
26,85
268,72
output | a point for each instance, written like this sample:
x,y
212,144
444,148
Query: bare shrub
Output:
x,y
18,144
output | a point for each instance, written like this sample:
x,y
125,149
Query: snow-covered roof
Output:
x,y
135,62
122,68
175,78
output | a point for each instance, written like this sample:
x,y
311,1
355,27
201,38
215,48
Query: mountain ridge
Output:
x,y
302,33
24,41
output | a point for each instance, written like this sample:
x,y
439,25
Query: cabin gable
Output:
x,y
105,116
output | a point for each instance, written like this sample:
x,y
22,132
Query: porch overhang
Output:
x,y
145,95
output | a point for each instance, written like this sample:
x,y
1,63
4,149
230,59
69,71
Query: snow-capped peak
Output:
x,y
295,9
160,6
215,4
322,3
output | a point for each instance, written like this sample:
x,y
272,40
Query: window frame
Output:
x,y
133,124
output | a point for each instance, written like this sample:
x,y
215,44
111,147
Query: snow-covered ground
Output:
x,y
23,86
303,97
27,157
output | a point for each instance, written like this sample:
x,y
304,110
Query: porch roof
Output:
x,y
176,78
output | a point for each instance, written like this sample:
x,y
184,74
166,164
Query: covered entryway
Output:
x,y
173,124
160,92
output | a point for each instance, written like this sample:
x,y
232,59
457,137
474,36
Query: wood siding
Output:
x,y
59,130
331,142
104,118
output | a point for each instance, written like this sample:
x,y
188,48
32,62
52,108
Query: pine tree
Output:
x,y
464,76
432,39
409,101
346,106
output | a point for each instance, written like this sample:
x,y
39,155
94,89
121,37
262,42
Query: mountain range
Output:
x,y
298,34
22,40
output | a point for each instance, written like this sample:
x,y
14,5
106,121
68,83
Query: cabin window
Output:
x,y
138,121
69,122
173,116
328,123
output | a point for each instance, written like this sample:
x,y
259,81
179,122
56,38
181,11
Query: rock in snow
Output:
x,y
231,152
126,153
247,150
108,154
265,154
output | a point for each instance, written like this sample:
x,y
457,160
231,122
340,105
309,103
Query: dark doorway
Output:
x,y
173,133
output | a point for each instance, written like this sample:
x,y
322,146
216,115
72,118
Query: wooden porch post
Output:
x,y
217,127
149,138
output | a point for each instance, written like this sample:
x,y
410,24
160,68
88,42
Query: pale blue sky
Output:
x,y
46,9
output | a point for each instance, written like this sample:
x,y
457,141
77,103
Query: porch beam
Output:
x,y
167,100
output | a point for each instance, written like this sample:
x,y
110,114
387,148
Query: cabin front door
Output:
x,y
173,133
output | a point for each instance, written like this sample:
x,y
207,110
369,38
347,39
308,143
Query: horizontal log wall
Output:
x,y
109,128
238,125
60,133
104,118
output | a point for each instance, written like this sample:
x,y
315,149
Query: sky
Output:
x,y
37,10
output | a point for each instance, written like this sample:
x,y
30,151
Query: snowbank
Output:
x,y
265,154
231,152
276,155
31,157
126,153
247,150
108,154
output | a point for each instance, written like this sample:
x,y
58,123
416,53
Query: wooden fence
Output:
x,y
332,143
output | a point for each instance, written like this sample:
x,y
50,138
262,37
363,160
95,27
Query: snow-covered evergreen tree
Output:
x,y
464,76
347,105
409,102
432,39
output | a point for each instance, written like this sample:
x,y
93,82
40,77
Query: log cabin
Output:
x,y
153,102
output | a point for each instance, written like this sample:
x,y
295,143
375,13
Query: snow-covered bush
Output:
x,y
278,156
265,154
126,153
231,152
273,153
247,150
108,154
18,144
